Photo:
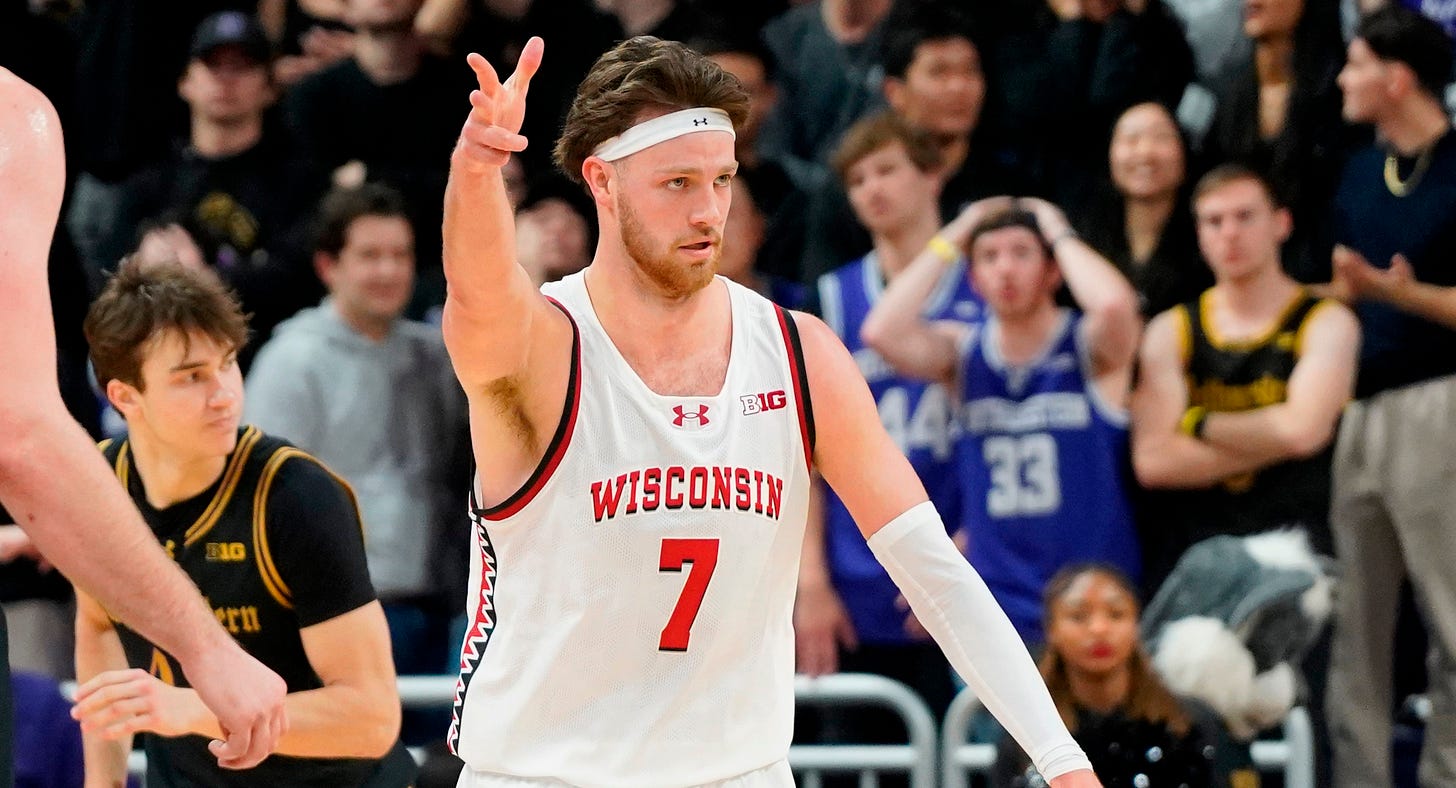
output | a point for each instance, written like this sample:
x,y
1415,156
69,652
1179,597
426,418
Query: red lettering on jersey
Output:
x,y
632,495
698,487
722,486
651,489
745,492
719,487
605,497
775,496
674,500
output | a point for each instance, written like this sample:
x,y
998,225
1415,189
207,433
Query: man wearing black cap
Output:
x,y
232,185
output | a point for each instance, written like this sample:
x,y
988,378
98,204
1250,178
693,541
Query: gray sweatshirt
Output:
x,y
385,416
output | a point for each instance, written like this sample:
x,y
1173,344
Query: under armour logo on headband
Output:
x,y
661,129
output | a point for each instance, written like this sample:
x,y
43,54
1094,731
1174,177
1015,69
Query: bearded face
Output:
x,y
678,265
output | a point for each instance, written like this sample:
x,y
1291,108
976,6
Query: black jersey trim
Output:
x,y
800,374
555,450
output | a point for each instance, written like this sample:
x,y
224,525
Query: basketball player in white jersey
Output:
x,y
643,435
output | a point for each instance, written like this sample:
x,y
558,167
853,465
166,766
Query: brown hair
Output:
x,y
638,76
1148,698
1231,172
870,134
1015,216
143,300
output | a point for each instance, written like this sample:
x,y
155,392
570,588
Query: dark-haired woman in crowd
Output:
x,y
1281,115
1116,707
1141,221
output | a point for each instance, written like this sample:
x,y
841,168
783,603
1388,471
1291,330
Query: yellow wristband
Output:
x,y
945,250
1193,420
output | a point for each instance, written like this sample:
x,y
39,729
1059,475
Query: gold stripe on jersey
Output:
x,y
272,580
104,445
1205,312
1185,333
1309,318
267,570
230,477
123,467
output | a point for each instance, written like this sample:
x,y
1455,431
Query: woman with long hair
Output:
x,y
1141,221
1132,727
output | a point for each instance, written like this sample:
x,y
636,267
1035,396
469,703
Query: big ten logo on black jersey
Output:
x,y
917,416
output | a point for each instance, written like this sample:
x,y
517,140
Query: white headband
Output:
x,y
661,129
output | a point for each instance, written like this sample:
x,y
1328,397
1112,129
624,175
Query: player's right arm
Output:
x,y
54,481
1163,454
98,650
509,346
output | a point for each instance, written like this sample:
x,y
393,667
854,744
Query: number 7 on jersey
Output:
x,y
703,555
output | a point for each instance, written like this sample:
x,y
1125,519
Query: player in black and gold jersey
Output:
x,y
270,536
1240,391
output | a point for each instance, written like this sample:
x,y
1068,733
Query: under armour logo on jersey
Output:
x,y
684,418
700,121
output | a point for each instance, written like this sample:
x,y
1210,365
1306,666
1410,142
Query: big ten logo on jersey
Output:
x,y
758,403
228,552
918,422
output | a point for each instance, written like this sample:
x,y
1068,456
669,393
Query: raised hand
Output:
x,y
491,133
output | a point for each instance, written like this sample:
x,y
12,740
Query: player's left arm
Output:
x,y
881,490
1322,382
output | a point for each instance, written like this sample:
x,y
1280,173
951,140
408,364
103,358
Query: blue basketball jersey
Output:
x,y
916,414
1043,466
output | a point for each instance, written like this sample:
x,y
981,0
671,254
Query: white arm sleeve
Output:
x,y
954,605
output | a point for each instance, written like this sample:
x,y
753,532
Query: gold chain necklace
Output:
x,y
1401,188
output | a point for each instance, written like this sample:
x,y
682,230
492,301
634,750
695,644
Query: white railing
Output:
x,y
1293,755
958,758
915,758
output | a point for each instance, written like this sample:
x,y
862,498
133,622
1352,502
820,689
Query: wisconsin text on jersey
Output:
x,y
698,487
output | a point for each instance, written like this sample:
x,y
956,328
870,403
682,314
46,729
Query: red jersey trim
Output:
x,y
555,450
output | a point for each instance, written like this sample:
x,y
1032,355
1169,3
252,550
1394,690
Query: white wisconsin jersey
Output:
x,y
632,603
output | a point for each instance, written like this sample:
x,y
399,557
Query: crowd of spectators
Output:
x,y
1122,275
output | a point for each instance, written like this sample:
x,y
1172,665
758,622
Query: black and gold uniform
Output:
x,y
275,545
1229,376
